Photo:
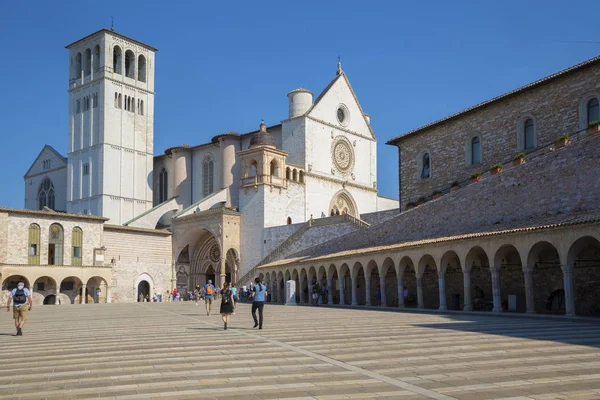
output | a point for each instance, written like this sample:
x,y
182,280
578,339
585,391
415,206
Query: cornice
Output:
x,y
340,181
112,145
45,172
112,80
341,128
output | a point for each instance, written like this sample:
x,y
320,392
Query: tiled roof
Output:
x,y
52,214
543,223
476,107
160,232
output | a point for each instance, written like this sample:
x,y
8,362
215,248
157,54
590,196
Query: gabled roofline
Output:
x,y
339,76
52,149
104,30
395,140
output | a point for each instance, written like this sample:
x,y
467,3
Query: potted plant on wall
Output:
x,y
593,127
475,177
421,200
496,169
436,194
562,141
519,159
454,186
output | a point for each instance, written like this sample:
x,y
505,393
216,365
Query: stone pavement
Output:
x,y
174,351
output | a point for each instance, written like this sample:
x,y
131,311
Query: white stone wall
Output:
x,y
384,203
252,208
198,157
117,144
293,140
138,255
322,191
57,173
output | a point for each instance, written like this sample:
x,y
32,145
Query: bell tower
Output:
x,y
111,126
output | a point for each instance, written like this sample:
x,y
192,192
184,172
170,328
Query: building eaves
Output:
x,y
235,134
532,85
53,150
53,214
115,34
159,232
562,221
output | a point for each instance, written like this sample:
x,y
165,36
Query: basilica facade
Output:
x,y
226,205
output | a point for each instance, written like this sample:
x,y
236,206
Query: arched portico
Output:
x,y
507,260
428,291
408,283
582,277
373,293
388,283
453,279
333,292
477,266
544,278
345,283
359,290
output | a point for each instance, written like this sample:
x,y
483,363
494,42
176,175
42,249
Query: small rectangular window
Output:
x,y
76,252
40,286
33,249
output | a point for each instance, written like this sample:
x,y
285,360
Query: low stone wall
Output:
x,y
565,181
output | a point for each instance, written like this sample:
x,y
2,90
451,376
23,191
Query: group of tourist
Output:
x,y
229,298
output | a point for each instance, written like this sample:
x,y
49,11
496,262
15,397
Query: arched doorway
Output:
x,y
478,264
343,203
512,283
547,279
584,258
429,282
409,280
44,287
390,283
454,280
143,291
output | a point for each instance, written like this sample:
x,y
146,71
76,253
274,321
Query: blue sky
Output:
x,y
222,66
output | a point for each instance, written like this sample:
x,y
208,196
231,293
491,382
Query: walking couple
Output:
x,y
259,294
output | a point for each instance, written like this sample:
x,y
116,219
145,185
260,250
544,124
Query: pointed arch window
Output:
x,y
163,181
129,64
76,243
55,245
208,176
475,150
593,111
46,194
34,245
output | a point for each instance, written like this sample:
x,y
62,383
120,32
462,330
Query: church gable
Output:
x,y
338,106
48,160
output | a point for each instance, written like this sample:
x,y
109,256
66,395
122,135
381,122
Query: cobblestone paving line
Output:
x,y
175,351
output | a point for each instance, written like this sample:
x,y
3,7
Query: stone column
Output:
x,y
382,290
330,291
354,301
496,295
400,291
420,293
57,295
83,296
529,300
442,288
342,290
468,306
103,290
368,291
223,270
108,294
309,300
569,290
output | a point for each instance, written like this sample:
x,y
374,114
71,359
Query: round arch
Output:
x,y
144,285
543,262
584,259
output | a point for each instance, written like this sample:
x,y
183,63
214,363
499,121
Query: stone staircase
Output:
x,y
280,250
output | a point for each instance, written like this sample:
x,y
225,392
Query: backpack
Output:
x,y
210,290
19,297
226,296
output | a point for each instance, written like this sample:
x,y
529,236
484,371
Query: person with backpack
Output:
x,y
259,293
227,303
20,296
209,294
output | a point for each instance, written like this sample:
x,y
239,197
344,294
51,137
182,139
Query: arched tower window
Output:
x,y
288,173
129,64
97,58
253,168
295,175
55,245
117,61
301,178
34,245
529,134
46,194
88,62
76,243
163,181
274,168
77,67
593,110
475,150
425,166
142,68
289,220
208,176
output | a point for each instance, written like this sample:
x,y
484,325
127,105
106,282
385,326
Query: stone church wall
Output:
x,y
137,253
554,107
553,184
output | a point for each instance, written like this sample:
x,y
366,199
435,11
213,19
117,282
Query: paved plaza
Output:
x,y
174,351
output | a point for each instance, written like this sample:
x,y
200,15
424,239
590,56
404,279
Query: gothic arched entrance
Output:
x,y
343,203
